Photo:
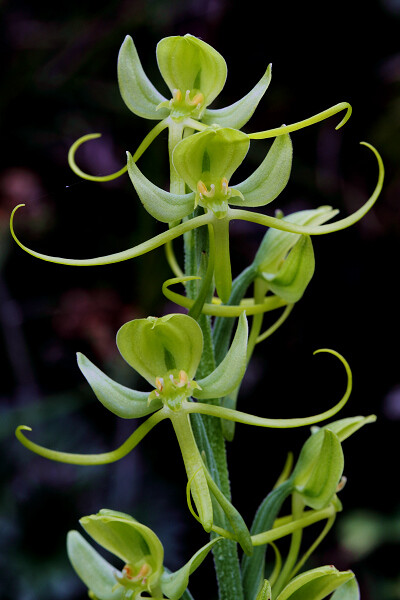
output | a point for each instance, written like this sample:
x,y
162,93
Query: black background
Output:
x,y
58,83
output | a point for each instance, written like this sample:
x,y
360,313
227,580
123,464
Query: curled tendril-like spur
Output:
x,y
188,407
246,419
325,114
92,459
150,137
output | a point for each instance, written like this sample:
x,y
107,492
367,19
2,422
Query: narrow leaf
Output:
x,y
253,567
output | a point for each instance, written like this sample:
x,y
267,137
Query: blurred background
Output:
x,y
59,83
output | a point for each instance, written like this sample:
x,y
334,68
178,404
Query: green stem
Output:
x,y
223,271
278,532
260,290
194,467
225,555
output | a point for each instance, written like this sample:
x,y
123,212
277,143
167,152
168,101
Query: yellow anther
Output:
x,y
203,191
198,99
176,95
183,378
160,383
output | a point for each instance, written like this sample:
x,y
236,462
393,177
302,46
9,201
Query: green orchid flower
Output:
x,y
166,352
195,74
141,552
215,155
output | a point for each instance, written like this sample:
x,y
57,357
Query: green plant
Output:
x,y
194,368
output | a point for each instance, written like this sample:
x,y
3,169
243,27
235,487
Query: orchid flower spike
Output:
x,y
195,74
141,553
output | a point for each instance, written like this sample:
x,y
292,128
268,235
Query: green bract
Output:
x,y
141,552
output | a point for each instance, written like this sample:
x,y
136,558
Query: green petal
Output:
x,y
296,272
211,155
344,428
236,115
126,538
271,177
229,373
120,400
137,91
315,584
276,243
162,205
187,63
95,572
174,584
316,480
154,346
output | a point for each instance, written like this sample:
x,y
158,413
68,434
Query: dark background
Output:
x,y
58,83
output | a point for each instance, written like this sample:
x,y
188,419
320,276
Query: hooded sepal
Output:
x,y
155,346
120,400
229,373
162,205
236,115
96,573
206,162
137,91
194,72
174,584
270,178
134,543
315,584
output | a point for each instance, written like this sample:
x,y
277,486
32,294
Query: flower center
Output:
x,y
214,196
173,388
191,102
134,579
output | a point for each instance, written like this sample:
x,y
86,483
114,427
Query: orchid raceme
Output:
x,y
141,552
194,363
